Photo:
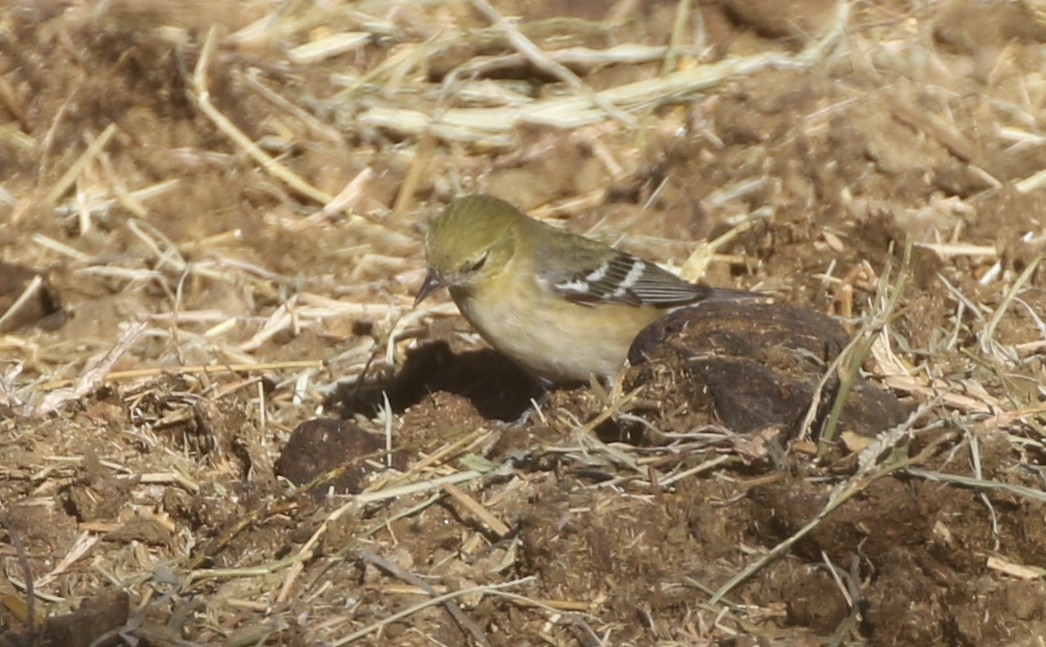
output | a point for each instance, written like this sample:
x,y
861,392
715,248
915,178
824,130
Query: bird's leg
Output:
x,y
535,404
608,388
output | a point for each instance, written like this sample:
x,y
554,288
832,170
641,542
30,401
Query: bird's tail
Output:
x,y
719,295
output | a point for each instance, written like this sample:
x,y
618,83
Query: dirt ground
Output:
x,y
210,227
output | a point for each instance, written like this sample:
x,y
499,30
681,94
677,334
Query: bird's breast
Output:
x,y
558,341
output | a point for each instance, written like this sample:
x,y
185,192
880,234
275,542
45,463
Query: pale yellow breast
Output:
x,y
559,341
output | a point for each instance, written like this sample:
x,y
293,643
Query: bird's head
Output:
x,y
472,241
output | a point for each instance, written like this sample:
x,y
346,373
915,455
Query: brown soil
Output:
x,y
199,364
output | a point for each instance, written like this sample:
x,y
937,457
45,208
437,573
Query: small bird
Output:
x,y
562,306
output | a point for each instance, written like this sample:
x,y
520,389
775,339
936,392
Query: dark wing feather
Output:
x,y
660,287
627,280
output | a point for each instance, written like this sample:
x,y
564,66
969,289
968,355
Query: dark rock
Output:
x,y
319,446
753,366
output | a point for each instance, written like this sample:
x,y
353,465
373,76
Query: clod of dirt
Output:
x,y
752,367
96,617
893,514
775,19
813,599
968,27
96,494
436,419
145,530
318,446
39,307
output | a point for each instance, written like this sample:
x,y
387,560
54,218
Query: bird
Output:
x,y
564,307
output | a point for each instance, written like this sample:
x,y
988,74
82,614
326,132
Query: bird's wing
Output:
x,y
623,278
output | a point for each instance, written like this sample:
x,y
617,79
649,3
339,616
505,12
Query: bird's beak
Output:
x,y
432,283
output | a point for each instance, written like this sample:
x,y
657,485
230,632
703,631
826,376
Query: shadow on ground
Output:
x,y
496,386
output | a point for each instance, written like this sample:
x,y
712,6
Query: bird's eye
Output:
x,y
474,265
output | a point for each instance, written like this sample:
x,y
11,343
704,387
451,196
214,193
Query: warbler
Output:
x,y
563,306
